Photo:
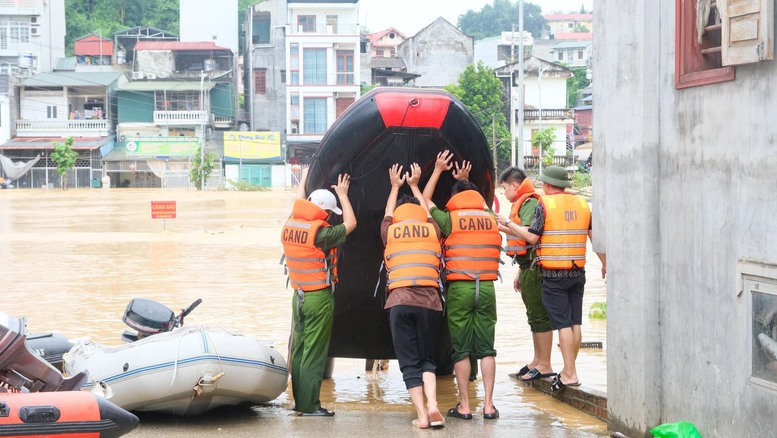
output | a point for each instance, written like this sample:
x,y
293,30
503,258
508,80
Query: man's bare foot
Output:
x,y
421,424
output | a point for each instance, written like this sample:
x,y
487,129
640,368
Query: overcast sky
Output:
x,y
410,16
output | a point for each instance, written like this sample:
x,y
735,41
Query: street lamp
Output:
x,y
202,130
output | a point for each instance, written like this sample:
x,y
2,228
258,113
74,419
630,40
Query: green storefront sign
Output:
x,y
162,146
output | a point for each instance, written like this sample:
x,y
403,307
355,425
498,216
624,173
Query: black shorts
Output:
x,y
563,300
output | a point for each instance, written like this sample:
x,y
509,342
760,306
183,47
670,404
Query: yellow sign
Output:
x,y
252,145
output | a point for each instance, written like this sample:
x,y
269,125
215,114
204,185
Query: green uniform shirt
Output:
x,y
443,219
329,237
526,213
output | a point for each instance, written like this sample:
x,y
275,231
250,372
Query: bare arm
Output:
x,y
602,256
349,218
412,180
508,226
397,179
443,164
301,187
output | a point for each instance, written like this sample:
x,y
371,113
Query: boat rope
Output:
x,y
177,356
213,344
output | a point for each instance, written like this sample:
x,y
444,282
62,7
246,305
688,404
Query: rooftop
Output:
x,y
569,17
72,79
177,45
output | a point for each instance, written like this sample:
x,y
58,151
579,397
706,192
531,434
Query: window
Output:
x,y
571,25
283,76
560,56
315,115
393,53
579,54
294,112
379,53
294,62
177,101
306,23
331,24
344,67
261,28
260,81
314,66
51,112
732,32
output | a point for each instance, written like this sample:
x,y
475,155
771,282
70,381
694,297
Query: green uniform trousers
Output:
x,y
531,293
313,315
471,319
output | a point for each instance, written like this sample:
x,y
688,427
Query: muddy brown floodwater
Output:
x,y
71,261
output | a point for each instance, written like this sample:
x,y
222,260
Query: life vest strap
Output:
x,y
564,232
414,251
413,265
480,259
563,245
414,279
473,247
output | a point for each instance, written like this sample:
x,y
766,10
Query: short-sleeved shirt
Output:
x,y
427,297
526,214
537,226
443,219
330,236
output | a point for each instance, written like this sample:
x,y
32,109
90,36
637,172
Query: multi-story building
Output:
x,y
503,49
572,53
438,53
565,23
302,60
32,35
545,104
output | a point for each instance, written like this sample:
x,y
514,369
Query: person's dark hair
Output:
x,y
463,185
407,199
512,175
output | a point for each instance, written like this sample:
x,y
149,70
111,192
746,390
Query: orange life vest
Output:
x,y
472,249
563,241
308,267
413,253
515,245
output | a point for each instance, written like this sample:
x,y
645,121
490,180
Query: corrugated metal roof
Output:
x,y
387,63
66,64
177,45
72,79
79,143
165,85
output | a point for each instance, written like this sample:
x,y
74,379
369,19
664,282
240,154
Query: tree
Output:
x,y
574,84
544,138
500,17
65,158
481,93
201,169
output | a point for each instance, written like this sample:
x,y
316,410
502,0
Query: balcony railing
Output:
x,y
325,29
63,128
549,114
180,117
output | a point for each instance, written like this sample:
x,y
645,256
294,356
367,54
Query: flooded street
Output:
x,y
71,261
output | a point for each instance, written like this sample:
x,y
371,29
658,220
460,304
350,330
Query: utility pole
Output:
x,y
520,86
493,137
202,130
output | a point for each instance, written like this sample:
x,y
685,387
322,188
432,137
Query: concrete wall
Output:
x,y
439,53
684,190
268,111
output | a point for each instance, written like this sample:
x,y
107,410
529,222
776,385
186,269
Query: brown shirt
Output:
x,y
426,297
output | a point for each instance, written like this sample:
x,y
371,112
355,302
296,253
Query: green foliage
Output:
x,y
200,168
582,28
481,92
543,139
500,17
366,88
598,310
574,84
83,17
581,180
245,186
65,158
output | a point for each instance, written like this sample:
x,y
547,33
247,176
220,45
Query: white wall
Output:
x,y
553,93
201,20
34,103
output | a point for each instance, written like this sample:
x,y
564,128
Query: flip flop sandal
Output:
x,y
436,420
535,374
492,416
558,385
524,370
454,412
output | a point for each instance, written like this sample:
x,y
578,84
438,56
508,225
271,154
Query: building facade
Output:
x,y
565,23
302,71
572,53
32,35
439,53
684,202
